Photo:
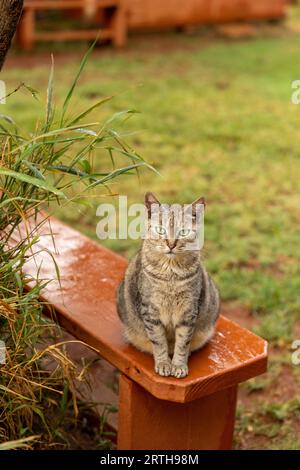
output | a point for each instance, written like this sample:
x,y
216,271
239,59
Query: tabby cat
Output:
x,y
167,302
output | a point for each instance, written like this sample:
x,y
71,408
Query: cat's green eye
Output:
x,y
160,230
184,232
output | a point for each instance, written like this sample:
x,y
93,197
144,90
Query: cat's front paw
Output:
x,y
179,370
163,368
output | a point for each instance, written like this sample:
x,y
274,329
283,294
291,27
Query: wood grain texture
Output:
x,y
148,423
84,304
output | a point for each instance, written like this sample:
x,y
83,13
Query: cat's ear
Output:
x,y
200,202
149,200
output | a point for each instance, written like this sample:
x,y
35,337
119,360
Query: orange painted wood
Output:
x,y
74,35
25,33
115,29
118,25
84,302
147,423
151,14
66,4
90,9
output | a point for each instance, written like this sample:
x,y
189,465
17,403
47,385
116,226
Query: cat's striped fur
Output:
x,y
167,301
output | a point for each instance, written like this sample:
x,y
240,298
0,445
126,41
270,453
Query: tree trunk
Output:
x,y
10,12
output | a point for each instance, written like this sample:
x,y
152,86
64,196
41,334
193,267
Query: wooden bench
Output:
x,y
197,412
114,14
154,14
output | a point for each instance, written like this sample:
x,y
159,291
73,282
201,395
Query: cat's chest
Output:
x,y
171,301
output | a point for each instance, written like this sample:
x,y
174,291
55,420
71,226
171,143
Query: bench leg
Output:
x,y
119,26
147,423
26,30
89,9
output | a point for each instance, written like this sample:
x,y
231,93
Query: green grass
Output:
x,y
215,121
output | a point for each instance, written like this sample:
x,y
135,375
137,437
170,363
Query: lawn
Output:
x,y
216,120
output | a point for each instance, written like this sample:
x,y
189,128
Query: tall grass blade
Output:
x,y
50,94
42,184
75,81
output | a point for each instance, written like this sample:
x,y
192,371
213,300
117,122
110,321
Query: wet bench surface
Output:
x,y
84,301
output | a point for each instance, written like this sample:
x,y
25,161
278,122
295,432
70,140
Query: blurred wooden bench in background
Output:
x,y
119,16
197,412
113,12
160,14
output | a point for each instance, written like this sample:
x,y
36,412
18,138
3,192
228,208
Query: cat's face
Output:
x,y
175,229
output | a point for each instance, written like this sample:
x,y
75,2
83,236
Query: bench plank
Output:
x,y
74,35
84,302
67,4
